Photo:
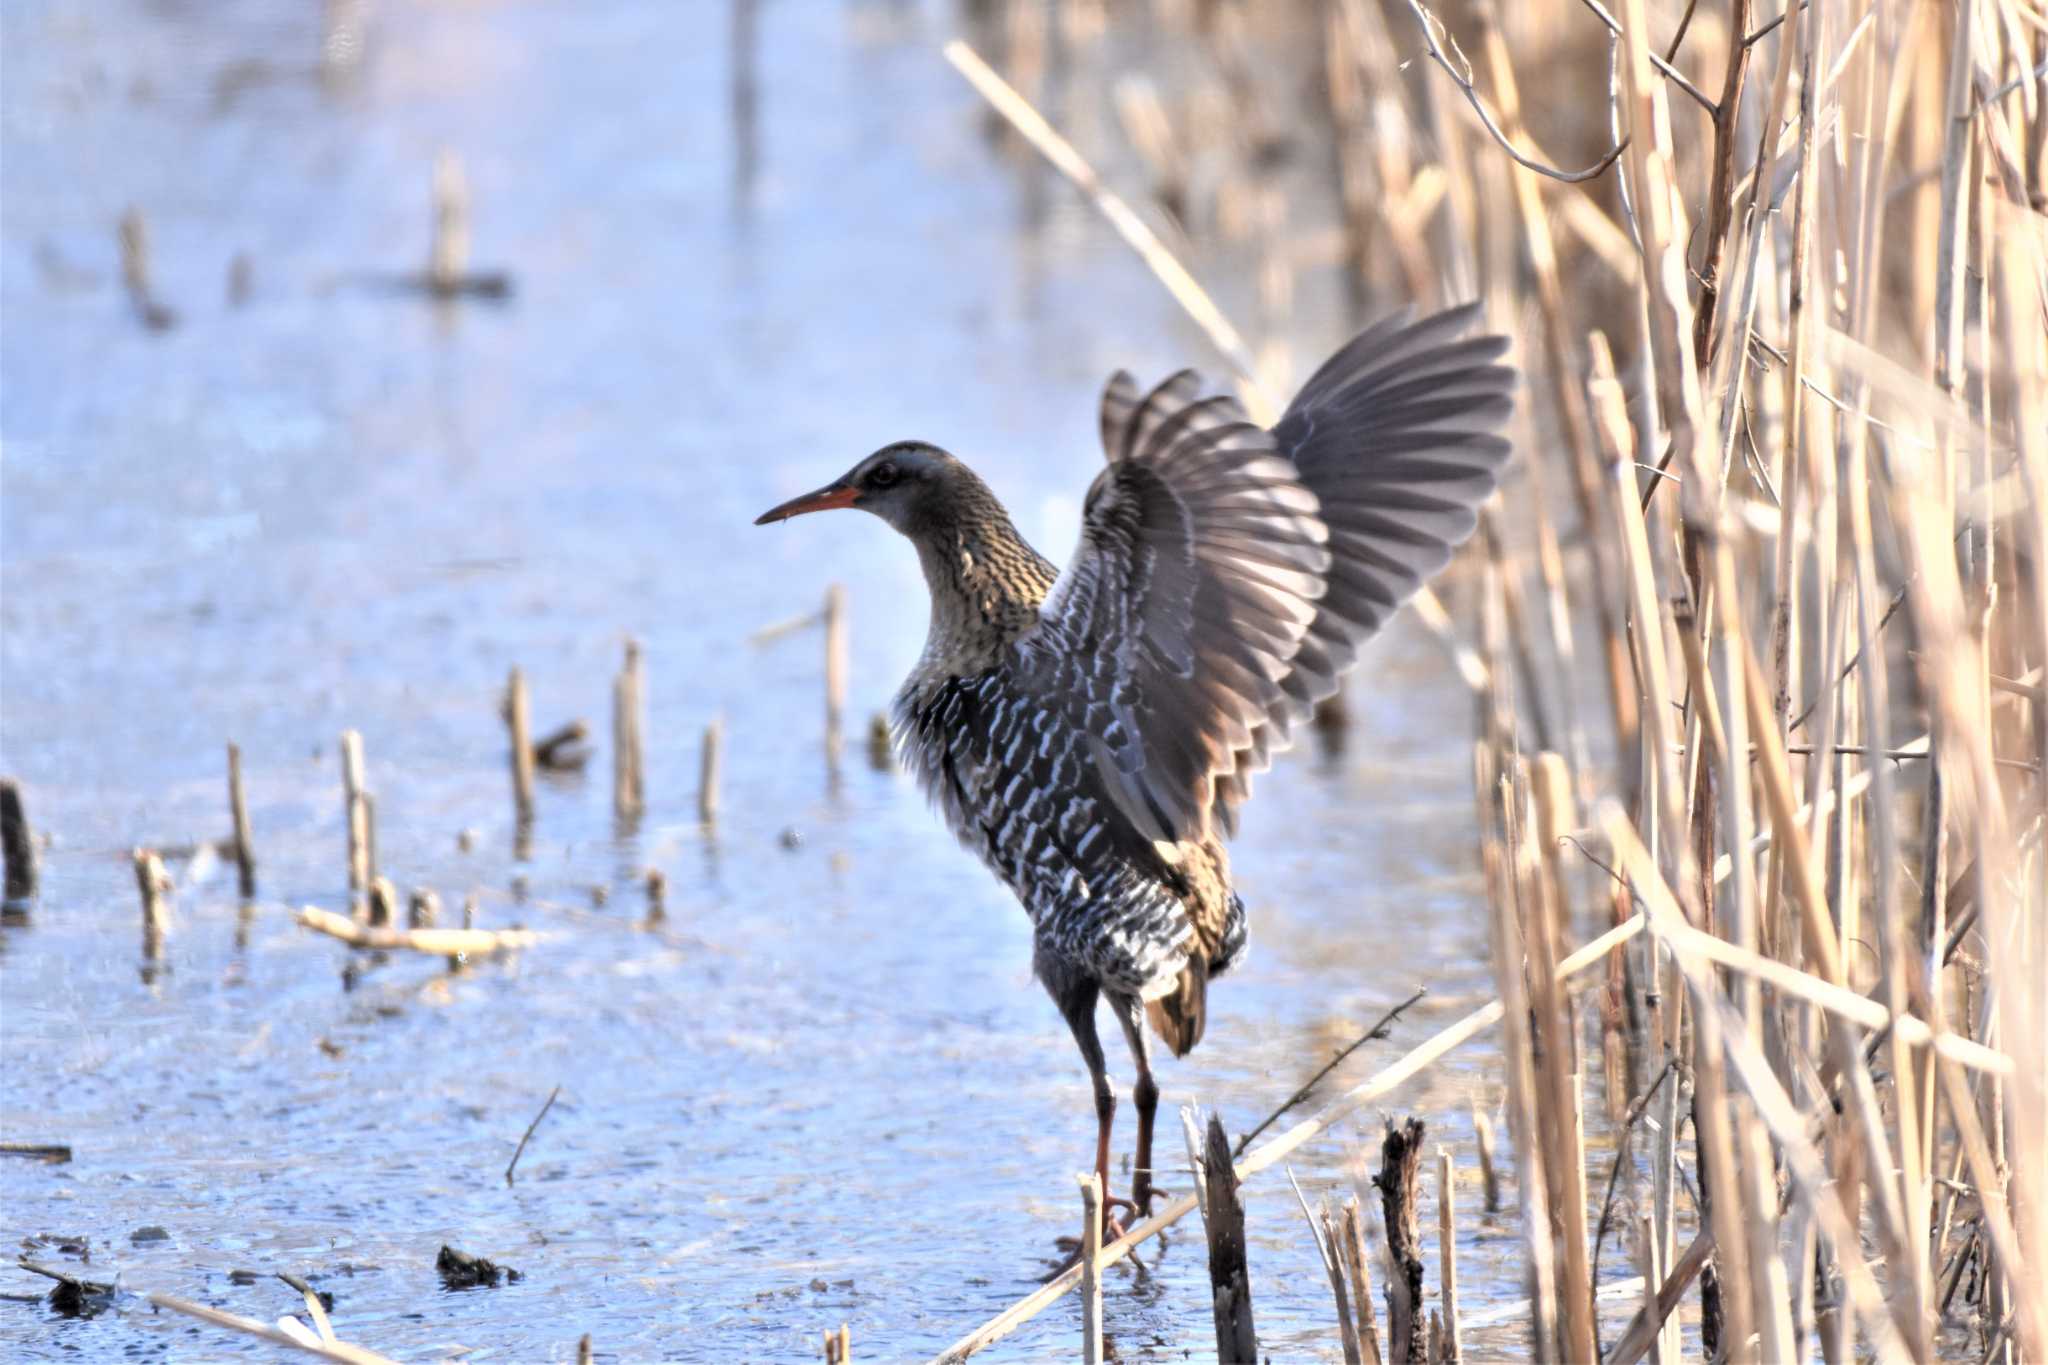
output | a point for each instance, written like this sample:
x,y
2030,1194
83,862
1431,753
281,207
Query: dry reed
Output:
x,y
1787,336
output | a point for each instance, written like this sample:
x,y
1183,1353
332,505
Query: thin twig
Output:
x,y
1770,28
1431,28
525,1137
1133,229
1663,64
1621,1154
1378,1030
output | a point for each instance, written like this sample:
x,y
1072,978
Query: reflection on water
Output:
x,y
748,243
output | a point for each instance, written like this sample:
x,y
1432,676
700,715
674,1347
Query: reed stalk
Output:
x,y
1800,538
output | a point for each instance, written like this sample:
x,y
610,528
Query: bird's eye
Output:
x,y
882,475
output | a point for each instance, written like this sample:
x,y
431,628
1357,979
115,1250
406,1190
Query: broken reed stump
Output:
x,y
1482,1129
1230,1282
1329,1242
424,909
584,1354
154,884
881,751
448,251
835,667
355,808
1091,1267
18,842
448,275
456,961
708,769
518,721
657,896
1358,1263
839,1346
383,903
370,834
238,811
1399,1177
1447,1255
629,787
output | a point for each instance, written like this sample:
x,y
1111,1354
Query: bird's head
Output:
x,y
910,485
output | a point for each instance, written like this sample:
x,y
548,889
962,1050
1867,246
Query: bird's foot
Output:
x,y
1113,1227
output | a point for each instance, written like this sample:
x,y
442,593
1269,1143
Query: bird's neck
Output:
x,y
986,584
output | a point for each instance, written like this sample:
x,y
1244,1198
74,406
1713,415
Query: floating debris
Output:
x,y
72,1297
460,1270
134,233
657,896
440,942
563,750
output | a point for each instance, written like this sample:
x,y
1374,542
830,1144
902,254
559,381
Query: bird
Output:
x,y
1090,733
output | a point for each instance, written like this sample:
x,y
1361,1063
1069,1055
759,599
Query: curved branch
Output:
x,y
1431,28
1663,64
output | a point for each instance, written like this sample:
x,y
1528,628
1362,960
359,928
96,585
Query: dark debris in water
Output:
x,y
62,1243
73,1297
81,1298
299,1283
145,1236
460,1270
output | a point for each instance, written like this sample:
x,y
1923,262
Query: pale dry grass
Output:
x,y
1779,706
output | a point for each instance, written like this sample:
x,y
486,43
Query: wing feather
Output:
x,y
1201,559
1227,575
1398,436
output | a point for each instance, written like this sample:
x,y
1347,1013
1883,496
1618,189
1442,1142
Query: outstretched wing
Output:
x,y
1173,627
1398,436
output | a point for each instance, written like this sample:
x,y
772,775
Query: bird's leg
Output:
x,y
1078,1005
1144,1095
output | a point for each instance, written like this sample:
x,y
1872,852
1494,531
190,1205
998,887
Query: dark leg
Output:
x,y
1076,996
1145,1095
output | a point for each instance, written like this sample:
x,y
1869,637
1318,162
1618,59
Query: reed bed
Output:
x,y
1755,634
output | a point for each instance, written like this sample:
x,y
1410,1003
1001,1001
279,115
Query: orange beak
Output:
x,y
823,500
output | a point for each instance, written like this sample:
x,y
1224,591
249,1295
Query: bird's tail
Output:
x,y
1179,1016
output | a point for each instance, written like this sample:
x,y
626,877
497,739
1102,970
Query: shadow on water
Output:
x,y
749,242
